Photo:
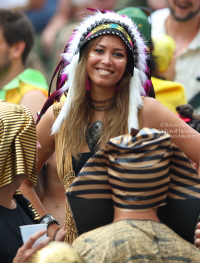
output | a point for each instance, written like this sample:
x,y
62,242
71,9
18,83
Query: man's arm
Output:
x,y
34,101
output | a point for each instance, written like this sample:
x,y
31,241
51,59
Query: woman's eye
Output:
x,y
99,51
119,55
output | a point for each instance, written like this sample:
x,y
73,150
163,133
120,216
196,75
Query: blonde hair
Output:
x,y
56,252
76,125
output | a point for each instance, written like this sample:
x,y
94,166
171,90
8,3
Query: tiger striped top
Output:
x,y
17,143
138,173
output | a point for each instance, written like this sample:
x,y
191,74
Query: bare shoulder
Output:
x,y
153,113
33,100
33,95
150,104
47,118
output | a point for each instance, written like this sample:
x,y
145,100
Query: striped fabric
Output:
x,y
138,173
17,143
26,203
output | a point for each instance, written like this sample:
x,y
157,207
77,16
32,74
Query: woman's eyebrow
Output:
x,y
114,48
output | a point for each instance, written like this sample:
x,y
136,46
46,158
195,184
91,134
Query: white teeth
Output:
x,y
104,72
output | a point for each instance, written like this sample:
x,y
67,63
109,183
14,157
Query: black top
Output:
x,y
77,165
10,236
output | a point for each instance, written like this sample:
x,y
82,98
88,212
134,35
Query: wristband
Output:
x,y
48,219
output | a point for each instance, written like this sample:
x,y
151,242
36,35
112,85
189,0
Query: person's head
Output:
x,y
16,37
105,56
106,62
56,252
17,144
183,10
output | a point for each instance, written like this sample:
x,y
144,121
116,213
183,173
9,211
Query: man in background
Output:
x,y
181,21
19,85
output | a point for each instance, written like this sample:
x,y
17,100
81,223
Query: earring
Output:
x,y
87,84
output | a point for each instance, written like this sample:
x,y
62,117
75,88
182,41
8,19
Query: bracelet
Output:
x,y
54,235
48,219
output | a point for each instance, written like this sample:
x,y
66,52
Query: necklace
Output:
x,y
93,134
98,107
103,104
57,205
101,101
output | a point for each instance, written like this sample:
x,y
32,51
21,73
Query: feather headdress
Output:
x,y
91,27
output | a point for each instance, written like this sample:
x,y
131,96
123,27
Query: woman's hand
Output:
x,y
60,235
26,251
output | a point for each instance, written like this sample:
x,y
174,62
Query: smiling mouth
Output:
x,y
104,71
184,5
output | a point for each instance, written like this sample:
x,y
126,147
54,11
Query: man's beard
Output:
x,y
183,19
5,66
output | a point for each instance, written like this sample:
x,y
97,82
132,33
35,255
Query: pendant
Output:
x,y
93,134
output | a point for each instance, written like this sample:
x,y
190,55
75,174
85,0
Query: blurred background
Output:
x,y
54,20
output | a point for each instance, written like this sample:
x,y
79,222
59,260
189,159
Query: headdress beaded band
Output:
x,y
108,26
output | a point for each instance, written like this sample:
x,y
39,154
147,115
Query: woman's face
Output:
x,y
107,62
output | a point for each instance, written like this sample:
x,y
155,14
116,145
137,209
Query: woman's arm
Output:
x,y
45,138
46,141
155,115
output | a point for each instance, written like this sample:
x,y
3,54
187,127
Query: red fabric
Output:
x,y
184,119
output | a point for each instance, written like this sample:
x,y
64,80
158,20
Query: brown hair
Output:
x,y
17,27
115,117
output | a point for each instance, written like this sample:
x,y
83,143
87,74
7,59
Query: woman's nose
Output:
x,y
107,60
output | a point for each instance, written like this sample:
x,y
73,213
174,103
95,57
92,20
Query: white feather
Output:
x,y
67,105
135,100
64,87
